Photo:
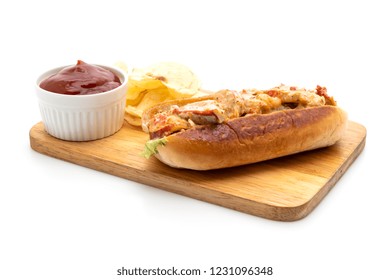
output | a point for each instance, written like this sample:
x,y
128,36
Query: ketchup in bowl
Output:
x,y
81,79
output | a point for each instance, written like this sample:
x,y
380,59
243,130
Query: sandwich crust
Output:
x,y
254,138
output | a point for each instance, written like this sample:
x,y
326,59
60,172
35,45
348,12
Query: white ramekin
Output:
x,y
82,117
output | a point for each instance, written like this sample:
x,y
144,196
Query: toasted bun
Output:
x,y
254,138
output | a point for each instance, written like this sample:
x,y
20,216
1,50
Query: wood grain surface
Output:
x,y
284,189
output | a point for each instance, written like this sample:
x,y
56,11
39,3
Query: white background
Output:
x,y
62,221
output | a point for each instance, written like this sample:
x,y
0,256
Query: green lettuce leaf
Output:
x,y
152,145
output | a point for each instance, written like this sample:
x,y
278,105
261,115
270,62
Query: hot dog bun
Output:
x,y
251,138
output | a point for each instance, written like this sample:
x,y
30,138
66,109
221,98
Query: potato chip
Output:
x,y
134,111
155,84
134,94
146,83
136,121
179,79
121,65
150,98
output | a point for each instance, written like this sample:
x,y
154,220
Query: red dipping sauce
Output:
x,y
81,79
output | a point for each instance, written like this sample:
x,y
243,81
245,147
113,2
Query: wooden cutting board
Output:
x,y
284,189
